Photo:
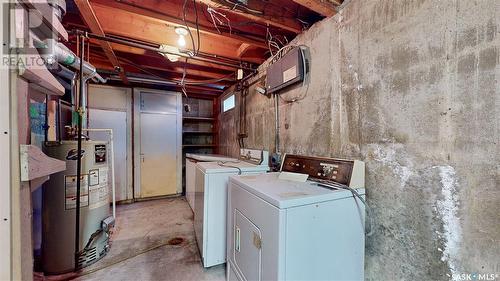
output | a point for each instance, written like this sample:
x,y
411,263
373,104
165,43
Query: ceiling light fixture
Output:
x,y
182,32
170,52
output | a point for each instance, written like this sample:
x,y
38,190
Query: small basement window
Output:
x,y
228,103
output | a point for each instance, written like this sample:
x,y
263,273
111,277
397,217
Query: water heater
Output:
x,y
59,205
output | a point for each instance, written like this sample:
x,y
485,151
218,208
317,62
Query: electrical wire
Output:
x,y
244,7
200,82
183,84
355,194
214,16
187,26
197,27
209,81
125,259
223,164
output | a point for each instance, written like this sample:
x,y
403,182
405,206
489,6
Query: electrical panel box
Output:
x,y
287,70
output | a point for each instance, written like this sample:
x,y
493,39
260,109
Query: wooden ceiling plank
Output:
x,y
288,24
132,51
92,22
336,2
242,49
101,62
127,24
323,7
166,12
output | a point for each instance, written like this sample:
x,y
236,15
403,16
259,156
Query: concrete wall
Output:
x,y
412,88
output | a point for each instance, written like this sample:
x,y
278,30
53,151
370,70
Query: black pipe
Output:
x,y
59,120
46,121
79,159
158,50
200,54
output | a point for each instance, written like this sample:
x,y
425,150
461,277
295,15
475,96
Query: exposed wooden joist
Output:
x,y
242,49
137,51
143,28
151,61
283,23
170,14
154,61
337,2
92,22
125,50
192,92
323,7
152,65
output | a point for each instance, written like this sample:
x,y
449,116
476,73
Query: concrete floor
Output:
x,y
143,249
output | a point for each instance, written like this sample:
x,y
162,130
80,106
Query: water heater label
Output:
x,y
100,153
93,177
99,193
70,191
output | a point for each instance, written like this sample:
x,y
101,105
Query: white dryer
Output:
x,y
191,160
282,229
211,201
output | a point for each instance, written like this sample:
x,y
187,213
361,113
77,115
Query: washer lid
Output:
x,y
286,194
230,167
209,157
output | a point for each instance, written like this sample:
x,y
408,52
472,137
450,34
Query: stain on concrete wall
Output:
x,y
412,88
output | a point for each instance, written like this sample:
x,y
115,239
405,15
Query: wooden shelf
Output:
x,y
35,164
193,118
199,132
198,145
43,12
42,79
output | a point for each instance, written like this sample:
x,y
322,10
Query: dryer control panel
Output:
x,y
348,172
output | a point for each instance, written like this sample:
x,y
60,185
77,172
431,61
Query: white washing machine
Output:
x,y
211,201
280,228
191,160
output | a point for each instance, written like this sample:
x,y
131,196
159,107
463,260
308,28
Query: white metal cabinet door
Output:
x,y
158,154
116,120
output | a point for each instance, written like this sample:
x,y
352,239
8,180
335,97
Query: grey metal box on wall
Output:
x,y
287,70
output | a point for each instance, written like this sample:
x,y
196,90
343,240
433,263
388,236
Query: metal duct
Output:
x,y
63,72
58,7
57,52
64,83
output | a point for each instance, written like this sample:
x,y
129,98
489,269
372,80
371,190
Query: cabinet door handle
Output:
x,y
237,240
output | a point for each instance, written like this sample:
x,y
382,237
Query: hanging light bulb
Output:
x,y
182,32
182,41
